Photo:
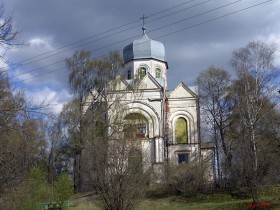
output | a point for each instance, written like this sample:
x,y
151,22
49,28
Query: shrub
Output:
x,y
63,188
187,179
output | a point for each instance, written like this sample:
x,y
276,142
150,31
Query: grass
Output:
x,y
215,201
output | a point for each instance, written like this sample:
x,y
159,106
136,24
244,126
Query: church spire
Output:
x,y
143,26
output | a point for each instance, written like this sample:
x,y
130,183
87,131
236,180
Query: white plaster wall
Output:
x,y
150,65
192,150
186,108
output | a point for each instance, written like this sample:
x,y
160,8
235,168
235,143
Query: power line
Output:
x,y
177,31
110,30
115,33
135,36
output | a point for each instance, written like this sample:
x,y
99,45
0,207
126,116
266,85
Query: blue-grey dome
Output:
x,y
144,48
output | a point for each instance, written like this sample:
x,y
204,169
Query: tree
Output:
x,y
59,154
21,136
80,80
252,94
213,86
114,164
8,32
88,79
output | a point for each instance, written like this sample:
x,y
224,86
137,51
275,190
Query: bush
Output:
x,y
270,190
35,190
63,188
187,179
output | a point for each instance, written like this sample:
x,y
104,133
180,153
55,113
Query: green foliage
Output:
x,y
35,190
270,190
63,187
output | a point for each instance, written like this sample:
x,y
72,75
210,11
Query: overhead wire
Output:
x,y
132,37
107,31
107,36
168,34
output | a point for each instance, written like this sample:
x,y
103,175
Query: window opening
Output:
x,y
129,74
142,72
136,126
181,131
158,73
183,158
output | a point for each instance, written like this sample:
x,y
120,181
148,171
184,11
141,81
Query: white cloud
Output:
x,y
56,98
45,42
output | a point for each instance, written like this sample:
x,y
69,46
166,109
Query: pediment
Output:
x,y
148,82
119,84
182,91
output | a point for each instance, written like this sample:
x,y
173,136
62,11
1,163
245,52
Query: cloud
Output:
x,y
56,98
29,68
44,43
49,25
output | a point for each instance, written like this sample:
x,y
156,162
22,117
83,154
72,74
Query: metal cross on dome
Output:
x,y
143,26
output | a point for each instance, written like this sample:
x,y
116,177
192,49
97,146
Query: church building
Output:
x,y
167,122
171,118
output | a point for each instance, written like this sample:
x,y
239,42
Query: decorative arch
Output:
x,y
186,119
136,126
149,113
142,70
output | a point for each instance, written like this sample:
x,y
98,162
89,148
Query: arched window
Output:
x,y
129,74
181,131
158,73
142,72
136,126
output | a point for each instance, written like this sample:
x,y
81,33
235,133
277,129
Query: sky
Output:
x,y
196,34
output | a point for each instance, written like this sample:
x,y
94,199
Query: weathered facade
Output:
x,y
166,122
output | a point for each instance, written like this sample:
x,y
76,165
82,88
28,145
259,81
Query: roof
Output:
x,y
144,48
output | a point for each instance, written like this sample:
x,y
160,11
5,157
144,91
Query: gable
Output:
x,y
149,82
182,91
120,84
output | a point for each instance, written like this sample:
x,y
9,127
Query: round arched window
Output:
x,y
158,73
181,131
142,72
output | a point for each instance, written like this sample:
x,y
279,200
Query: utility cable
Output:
x,y
177,31
107,31
98,39
135,36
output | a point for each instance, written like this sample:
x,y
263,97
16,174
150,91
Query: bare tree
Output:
x,y
8,32
213,91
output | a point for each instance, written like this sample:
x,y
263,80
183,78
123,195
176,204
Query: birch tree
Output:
x,y
253,92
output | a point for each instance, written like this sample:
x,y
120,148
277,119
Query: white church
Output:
x,y
171,131
168,121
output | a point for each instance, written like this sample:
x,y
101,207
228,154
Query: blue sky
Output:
x,y
190,45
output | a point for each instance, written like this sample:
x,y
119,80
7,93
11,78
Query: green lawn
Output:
x,y
217,201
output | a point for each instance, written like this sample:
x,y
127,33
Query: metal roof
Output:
x,y
144,48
